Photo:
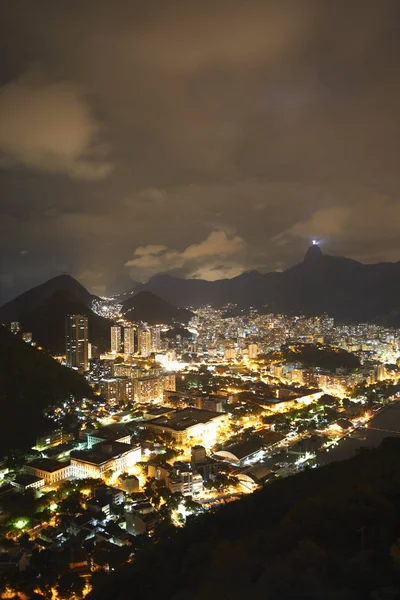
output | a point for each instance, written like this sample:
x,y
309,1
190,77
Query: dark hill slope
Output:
x,y
326,533
244,289
30,380
344,288
147,307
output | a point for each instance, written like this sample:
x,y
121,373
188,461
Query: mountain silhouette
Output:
x,y
149,308
346,289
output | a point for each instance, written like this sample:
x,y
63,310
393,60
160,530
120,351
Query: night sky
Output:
x,y
200,137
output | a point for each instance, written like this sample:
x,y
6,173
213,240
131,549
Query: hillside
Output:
x,y
345,289
149,308
42,310
331,532
29,381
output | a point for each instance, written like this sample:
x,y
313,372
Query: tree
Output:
x,y
72,504
70,584
174,500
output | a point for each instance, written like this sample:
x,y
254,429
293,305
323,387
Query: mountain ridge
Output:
x,y
344,288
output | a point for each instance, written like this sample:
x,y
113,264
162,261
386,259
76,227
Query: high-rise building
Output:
x,y
129,341
169,381
155,334
199,455
144,342
148,389
229,354
115,339
116,389
76,342
151,388
380,373
253,351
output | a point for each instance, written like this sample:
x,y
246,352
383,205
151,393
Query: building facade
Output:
x,y
77,342
115,339
129,341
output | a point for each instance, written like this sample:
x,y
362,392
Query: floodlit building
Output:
x,y
252,351
116,389
198,454
52,471
380,373
190,426
115,339
151,389
155,335
185,480
101,458
230,353
26,482
53,438
148,389
129,341
238,453
77,342
110,433
144,342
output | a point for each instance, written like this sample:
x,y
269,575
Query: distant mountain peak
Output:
x,y
313,254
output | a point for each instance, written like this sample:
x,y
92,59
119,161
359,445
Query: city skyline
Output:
x,y
202,140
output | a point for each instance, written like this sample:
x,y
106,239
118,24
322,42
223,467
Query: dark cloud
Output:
x,y
176,124
48,127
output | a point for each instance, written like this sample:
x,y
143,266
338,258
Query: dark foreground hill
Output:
x,y
30,381
147,307
329,533
42,310
345,289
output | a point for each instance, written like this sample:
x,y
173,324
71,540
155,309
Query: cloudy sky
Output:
x,y
203,138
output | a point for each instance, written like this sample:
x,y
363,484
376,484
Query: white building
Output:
x,y
100,459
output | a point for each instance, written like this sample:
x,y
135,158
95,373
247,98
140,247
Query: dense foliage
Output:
x,y
29,382
326,533
325,357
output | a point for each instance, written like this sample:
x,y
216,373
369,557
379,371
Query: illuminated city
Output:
x,y
199,300
182,423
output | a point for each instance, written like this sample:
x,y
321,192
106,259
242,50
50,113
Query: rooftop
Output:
x,y
25,479
242,450
184,418
112,432
101,453
47,464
